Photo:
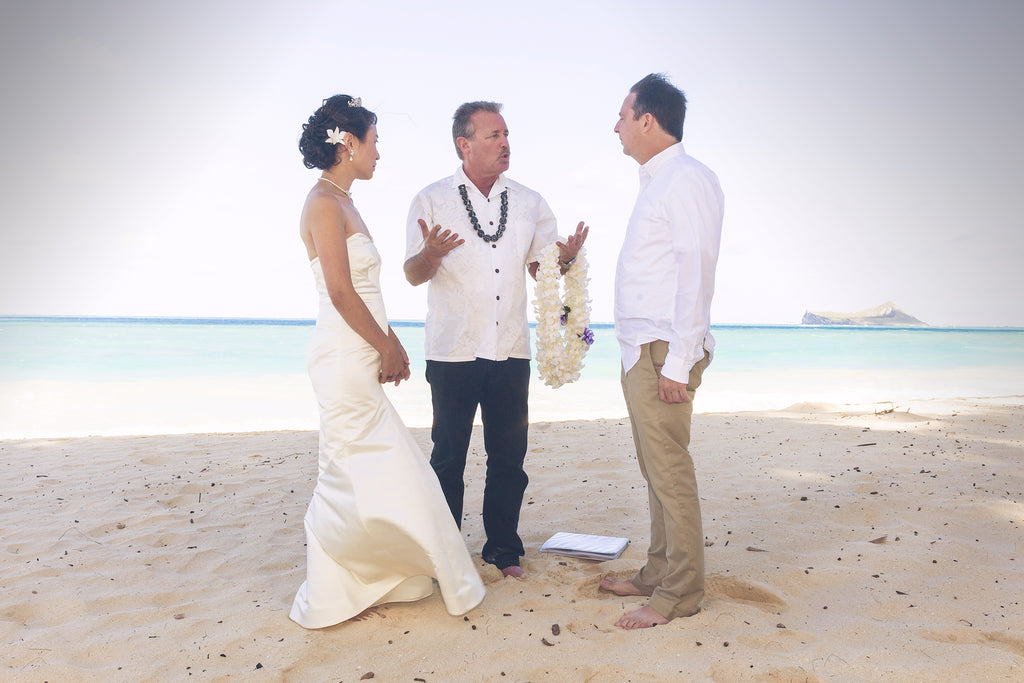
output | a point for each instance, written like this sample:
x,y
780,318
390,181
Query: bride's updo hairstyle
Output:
x,y
336,112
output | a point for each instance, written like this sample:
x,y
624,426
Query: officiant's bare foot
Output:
x,y
515,571
619,586
644,617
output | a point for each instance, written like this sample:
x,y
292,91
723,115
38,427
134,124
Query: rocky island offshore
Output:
x,y
887,314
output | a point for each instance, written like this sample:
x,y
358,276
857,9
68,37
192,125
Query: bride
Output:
x,y
378,528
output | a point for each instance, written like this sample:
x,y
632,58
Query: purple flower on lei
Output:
x,y
587,336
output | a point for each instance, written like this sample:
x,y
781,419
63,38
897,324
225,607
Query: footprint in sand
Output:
x,y
749,592
1007,642
44,612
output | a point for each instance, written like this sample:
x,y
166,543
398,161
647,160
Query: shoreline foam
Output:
x,y
67,409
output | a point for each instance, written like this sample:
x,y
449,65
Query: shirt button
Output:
x,y
496,270
490,222
494,246
498,298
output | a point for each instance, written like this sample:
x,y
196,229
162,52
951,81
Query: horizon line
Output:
x,y
405,322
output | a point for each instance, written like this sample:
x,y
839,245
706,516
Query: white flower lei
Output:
x,y
561,344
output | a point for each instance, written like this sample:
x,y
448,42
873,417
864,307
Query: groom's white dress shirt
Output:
x,y
665,276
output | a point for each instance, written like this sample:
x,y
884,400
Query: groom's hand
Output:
x,y
671,391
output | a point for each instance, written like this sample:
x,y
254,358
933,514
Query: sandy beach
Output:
x,y
844,543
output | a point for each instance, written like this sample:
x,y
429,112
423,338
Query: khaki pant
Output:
x,y
674,574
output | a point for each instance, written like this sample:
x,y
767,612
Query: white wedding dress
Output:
x,y
378,528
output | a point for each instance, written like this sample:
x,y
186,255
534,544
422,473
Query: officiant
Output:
x,y
473,236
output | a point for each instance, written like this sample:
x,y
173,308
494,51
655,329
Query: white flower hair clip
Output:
x,y
355,102
336,136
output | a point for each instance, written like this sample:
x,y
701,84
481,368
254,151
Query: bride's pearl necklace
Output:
x,y
343,190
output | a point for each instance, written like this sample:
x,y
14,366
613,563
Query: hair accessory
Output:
x,y
355,102
335,137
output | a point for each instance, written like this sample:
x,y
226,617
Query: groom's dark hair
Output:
x,y
662,100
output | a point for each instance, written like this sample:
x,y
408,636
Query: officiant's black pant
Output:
x,y
501,390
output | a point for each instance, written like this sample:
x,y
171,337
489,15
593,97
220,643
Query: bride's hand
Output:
x,y
394,362
406,374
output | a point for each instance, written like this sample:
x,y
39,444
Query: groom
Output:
x,y
663,286
477,338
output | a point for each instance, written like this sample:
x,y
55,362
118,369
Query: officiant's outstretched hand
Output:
x,y
568,250
437,243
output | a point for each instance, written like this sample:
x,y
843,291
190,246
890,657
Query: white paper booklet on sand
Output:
x,y
585,546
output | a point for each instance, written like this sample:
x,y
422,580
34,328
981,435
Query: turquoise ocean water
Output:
x,y
78,376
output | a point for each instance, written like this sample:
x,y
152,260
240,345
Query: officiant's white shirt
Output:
x,y
476,301
665,276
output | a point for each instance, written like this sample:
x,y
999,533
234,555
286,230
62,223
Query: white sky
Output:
x,y
868,151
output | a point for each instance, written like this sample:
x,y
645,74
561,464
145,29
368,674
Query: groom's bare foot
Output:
x,y
515,571
644,617
619,586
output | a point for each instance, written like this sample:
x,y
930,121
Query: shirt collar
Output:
x,y
650,169
460,178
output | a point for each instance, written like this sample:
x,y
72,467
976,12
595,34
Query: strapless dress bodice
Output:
x,y
364,268
364,265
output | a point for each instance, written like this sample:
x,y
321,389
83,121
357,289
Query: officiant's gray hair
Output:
x,y
461,125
